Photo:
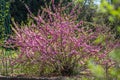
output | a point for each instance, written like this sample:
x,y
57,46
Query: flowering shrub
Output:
x,y
58,43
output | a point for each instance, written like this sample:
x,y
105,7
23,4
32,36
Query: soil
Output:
x,y
25,78
77,77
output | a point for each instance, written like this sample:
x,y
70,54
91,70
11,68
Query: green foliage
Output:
x,y
100,39
78,1
115,54
113,9
96,70
87,9
113,17
6,57
4,19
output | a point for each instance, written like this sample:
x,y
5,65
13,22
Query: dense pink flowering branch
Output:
x,y
59,41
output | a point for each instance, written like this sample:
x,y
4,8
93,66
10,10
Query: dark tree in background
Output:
x,y
19,12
